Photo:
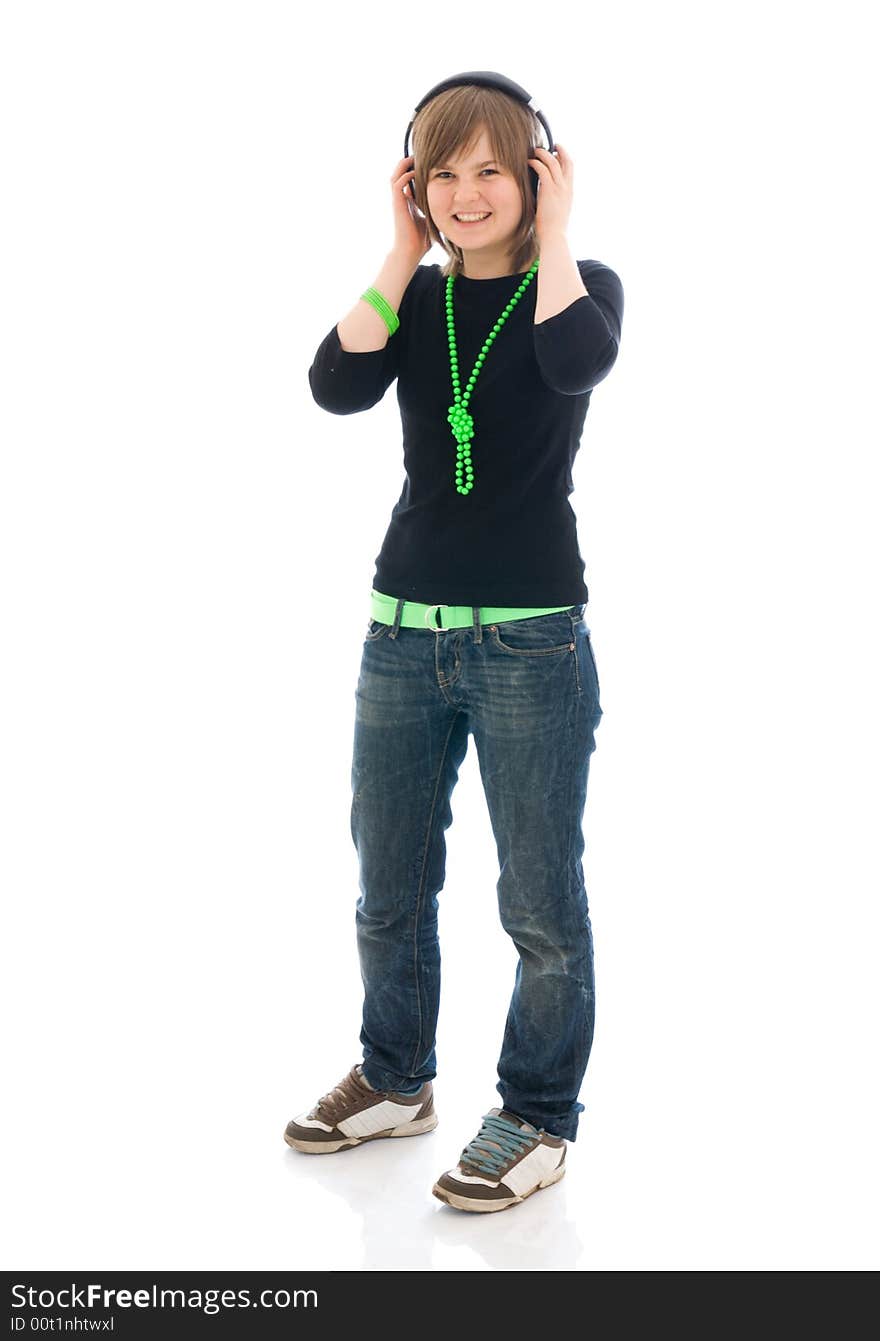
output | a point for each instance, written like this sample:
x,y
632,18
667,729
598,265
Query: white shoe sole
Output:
x,y
416,1128
484,1203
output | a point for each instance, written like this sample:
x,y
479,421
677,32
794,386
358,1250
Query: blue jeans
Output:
x,y
528,690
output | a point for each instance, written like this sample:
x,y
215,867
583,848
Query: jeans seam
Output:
x,y
577,674
595,667
420,895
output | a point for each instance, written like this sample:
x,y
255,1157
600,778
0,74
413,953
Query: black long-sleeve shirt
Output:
x,y
512,540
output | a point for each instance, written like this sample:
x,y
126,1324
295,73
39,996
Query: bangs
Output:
x,y
449,126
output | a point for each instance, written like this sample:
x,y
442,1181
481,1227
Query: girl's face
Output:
x,y
478,184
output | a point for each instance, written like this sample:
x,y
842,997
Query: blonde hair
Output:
x,y
452,122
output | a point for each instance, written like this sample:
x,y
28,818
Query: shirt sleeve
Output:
x,y
578,346
345,382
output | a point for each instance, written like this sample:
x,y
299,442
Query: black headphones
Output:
x,y
488,79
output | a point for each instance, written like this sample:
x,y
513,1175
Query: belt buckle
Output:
x,y
438,606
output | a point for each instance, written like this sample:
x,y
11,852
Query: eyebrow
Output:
x,y
479,165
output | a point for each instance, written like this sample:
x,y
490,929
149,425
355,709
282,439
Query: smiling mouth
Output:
x,y
469,223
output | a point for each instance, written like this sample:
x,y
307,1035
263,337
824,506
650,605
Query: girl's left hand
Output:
x,y
555,190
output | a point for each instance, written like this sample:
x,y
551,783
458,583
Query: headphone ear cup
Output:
x,y
533,178
411,188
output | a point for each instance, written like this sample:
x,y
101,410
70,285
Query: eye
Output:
x,y
443,172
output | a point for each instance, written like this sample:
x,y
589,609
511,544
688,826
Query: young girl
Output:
x,y
476,627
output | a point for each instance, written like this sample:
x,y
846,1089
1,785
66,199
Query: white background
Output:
x,y
194,194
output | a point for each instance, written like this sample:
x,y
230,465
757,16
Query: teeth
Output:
x,y
471,218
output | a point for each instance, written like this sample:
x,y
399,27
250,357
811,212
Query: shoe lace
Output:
x,y
348,1091
497,1142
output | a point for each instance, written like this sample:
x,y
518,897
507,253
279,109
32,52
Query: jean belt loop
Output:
x,y
478,628
398,613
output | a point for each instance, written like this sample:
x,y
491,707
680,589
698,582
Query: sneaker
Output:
x,y
353,1112
506,1162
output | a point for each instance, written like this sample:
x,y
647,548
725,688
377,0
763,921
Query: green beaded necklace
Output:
x,y
460,420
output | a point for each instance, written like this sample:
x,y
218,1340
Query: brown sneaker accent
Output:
x,y
351,1114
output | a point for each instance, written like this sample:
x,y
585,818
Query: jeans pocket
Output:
x,y
538,636
375,630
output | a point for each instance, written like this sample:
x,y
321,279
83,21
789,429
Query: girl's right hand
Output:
x,y
410,227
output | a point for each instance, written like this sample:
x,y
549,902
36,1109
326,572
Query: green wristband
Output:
x,y
388,314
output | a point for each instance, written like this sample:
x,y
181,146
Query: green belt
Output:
x,y
416,615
